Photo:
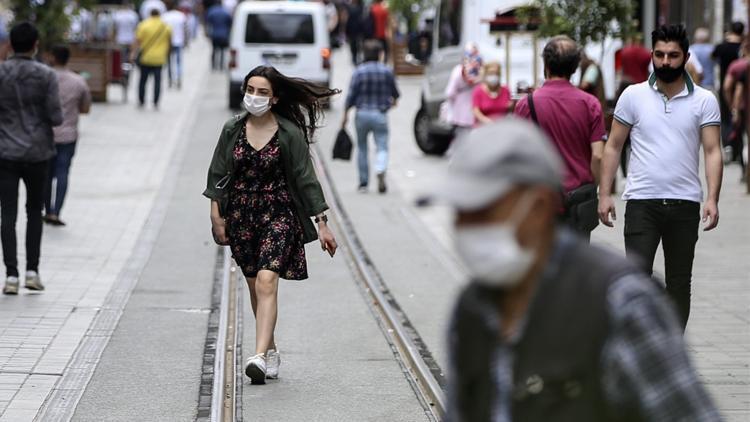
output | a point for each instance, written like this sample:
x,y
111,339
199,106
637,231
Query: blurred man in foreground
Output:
x,y
550,328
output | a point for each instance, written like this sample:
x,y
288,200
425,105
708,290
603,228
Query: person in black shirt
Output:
x,y
354,28
725,53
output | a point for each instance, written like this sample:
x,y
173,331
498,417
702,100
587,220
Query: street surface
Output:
x,y
119,333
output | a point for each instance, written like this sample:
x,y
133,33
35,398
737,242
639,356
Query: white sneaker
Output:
x,y
33,282
11,286
256,369
273,361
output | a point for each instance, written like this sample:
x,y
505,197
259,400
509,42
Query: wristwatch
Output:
x,y
323,218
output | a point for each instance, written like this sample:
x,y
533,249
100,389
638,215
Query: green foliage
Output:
x,y
407,8
49,16
583,20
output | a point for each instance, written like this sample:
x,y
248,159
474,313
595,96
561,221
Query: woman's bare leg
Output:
x,y
266,293
254,306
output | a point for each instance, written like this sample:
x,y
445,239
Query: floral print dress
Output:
x,y
264,233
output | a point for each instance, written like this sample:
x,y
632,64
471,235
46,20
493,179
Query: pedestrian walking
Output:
x,y
490,99
126,21
592,79
379,20
573,121
354,29
554,329
735,141
179,28
218,25
701,49
75,99
150,51
725,53
332,22
149,5
668,119
263,191
633,61
458,109
372,91
29,108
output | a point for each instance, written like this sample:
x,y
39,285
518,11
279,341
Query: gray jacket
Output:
x,y
29,108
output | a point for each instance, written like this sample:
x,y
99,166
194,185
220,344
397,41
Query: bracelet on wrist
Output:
x,y
323,218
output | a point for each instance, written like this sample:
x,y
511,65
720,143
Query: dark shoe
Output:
x,y
362,189
382,188
53,220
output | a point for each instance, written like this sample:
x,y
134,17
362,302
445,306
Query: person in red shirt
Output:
x,y
573,120
634,61
379,21
490,100
735,72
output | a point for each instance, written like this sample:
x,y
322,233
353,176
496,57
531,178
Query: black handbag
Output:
x,y
581,207
342,148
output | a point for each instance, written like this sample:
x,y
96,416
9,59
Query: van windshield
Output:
x,y
449,23
279,28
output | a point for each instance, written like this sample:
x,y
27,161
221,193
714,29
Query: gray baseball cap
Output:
x,y
493,159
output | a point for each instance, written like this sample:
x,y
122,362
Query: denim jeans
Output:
x,y
34,176
59,167
147,71
674,223
374,121
174,65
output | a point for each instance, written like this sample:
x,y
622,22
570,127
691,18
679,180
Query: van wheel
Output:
x,y
429,143
235,99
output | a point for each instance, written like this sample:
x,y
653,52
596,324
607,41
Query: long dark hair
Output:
x,y
299,100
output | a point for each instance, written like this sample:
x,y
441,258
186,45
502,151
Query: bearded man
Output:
x,y
668,119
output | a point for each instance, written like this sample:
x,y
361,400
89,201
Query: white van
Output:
x,y
290,36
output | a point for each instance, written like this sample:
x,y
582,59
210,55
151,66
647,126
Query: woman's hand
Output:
x,y
219,231
327,241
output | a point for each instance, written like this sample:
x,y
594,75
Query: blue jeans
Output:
x,y
174,64
59,166
374,121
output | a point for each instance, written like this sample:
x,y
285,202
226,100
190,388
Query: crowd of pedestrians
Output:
x,y
559,329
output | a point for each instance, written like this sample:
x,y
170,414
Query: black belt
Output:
x,y
664,201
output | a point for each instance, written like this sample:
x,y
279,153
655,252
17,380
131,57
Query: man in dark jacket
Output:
x,y
551,329
29,108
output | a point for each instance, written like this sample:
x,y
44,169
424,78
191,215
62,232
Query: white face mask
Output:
x,y
492,253
257,105
493,80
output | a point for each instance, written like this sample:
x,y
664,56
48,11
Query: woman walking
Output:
x,y
263,191
490,100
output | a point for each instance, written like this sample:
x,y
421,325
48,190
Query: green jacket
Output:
x,y
301,179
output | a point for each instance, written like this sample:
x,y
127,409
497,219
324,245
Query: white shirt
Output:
x,y
149,5
665,138
126,20
178,22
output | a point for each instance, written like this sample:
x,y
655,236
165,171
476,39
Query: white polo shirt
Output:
x,y
665,136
